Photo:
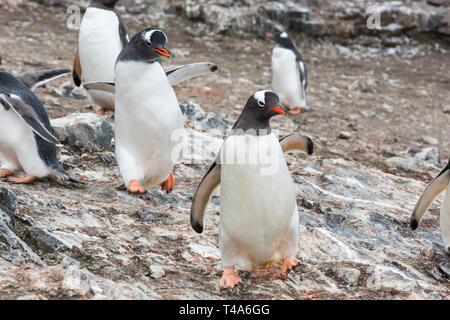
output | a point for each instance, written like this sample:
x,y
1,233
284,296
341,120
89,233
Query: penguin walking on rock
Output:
x,y
101,37
27,142
148,121
440,183
258,211
289,75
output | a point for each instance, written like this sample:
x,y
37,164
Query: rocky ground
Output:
x,y
380,124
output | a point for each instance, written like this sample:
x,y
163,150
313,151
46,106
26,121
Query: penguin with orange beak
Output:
x,y
289,75
258,210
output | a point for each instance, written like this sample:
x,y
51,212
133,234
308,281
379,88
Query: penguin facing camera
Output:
x,y
289,75
258,210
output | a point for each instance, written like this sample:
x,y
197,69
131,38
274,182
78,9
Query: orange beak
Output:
x,y
163,52
270,35
280,109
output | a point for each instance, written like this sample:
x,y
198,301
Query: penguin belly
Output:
x,y
258,213
149,123
99,46
444,220
286,77
18,148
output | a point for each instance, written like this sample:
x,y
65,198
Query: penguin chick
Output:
x,y
436,187
27,142
258,211
289,76
148,117
101,37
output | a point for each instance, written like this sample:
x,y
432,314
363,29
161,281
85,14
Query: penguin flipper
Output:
x,y
297,141
188,71
201,198
76,70
434,188
29,115
36,79
123,34
100,86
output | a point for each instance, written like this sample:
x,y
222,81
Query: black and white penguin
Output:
x,y
289,76
147,114
26,139
101,38
440,183
258,211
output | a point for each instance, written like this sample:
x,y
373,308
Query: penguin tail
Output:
x,y
67,179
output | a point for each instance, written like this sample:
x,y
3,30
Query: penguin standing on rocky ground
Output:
x,y
258,211
289,76
440,183
27,142
148,119
101,37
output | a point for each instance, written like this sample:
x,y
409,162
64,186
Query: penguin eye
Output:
x,y
261,103
148,43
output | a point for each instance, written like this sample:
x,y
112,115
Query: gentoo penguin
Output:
x,y
436,186
258,211
34,80
289,76
26,139
147,114
101,38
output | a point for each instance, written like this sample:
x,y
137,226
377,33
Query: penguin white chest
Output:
x,y
257,200
445,220
99,46
149,129
18,148
286,77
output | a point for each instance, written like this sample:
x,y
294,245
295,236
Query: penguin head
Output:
x,y
281,38
260,107
147,45
106,3
265,104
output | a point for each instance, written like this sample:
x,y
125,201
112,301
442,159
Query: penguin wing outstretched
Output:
x,y
100,86
36,79
434,188
201,197
174,75
76,70
188,71
297,141
28,114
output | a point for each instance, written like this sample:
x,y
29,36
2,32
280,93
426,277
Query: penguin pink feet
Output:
x,y
5,173
289,263
26,179
135,187
295,110
101,112
229,278
169,184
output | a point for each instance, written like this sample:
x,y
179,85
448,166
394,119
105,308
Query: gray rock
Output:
x,y
211,121
369,113
84,130
44,240
348,276
204,250
431,155
430,140
75,281
191,110
345,135
156,272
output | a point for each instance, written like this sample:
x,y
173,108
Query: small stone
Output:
x,y
156,272
402,163
369,113
446,109
76,281
430,140
191,109
345,135
347,275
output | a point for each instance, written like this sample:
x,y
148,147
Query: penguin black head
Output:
x,y
104,3
260,107
147,45
281,38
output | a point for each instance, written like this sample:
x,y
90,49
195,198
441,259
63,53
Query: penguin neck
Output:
x,y
98,5
248,124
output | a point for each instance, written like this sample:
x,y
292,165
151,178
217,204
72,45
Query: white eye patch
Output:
x,y
284,35
260,96
147,36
